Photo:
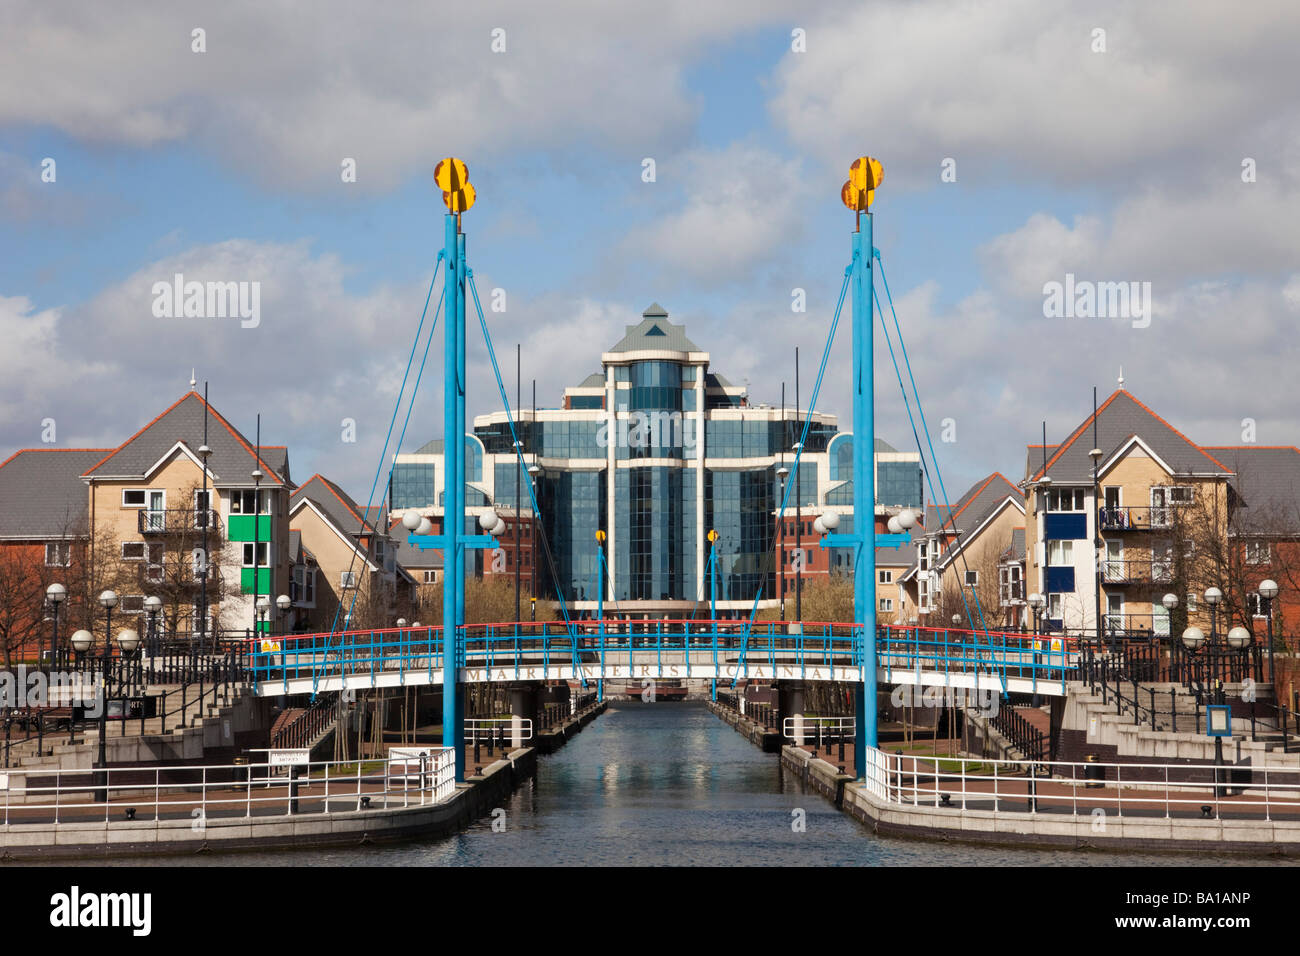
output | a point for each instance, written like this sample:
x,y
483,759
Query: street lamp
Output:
x,y
205,453
1036,602
263,611
1239,639
1170,601
1193,638
1095,454
1213,596
81,641
1268,591
108,600
128,639
533,471
152,604
783,473
284,602
56,594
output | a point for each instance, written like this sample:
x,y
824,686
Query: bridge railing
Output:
x,y
1088,788
1001,655
516,645
546,644
196,794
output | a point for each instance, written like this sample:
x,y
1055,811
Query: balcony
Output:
x,y
1134,625
1136,571
1135,519
176,520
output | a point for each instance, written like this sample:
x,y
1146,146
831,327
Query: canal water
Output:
x,y
668,783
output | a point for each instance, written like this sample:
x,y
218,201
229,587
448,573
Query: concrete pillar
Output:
x,y
523,706
791,698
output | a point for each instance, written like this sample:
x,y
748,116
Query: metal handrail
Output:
x,y
1021,786
200,792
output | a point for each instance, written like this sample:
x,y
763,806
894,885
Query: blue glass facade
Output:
x,y
739,505
650,526
573,509
412,485
898,484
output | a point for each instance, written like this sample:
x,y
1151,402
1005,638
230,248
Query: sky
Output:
x,y
1022,142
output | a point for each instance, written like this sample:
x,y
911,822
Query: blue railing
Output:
x,y
508,650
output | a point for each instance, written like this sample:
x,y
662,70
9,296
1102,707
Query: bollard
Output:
x,y
293,785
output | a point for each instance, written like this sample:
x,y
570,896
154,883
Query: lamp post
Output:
x,y
1097,545
783,473
205,453
258,612
1193,638
283,603
798,516
261,613
108,600
152,605
56,594
1268,591
1239,640
1170,601
1035,602
128,640
80,641
1212,597
533,471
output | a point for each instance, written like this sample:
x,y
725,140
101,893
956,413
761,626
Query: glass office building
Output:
x,y
655,450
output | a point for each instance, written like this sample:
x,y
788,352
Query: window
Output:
x,y
1162,560
430,577
1060,553
58,554
348,579
923,556
241,502
972,579
1257,552
153,571
262,554
1256,606
885,576
132,550
1010,585
1065,499
302,586
131,604
132,497
1054,607
1192,601
887,605
202,506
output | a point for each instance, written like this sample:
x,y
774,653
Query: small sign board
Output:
x,y
288,758
1218,720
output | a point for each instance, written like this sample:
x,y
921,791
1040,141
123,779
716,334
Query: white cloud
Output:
x,y
287,93
1014,87
741,205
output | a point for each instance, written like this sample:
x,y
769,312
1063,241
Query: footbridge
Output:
x,y
595,651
